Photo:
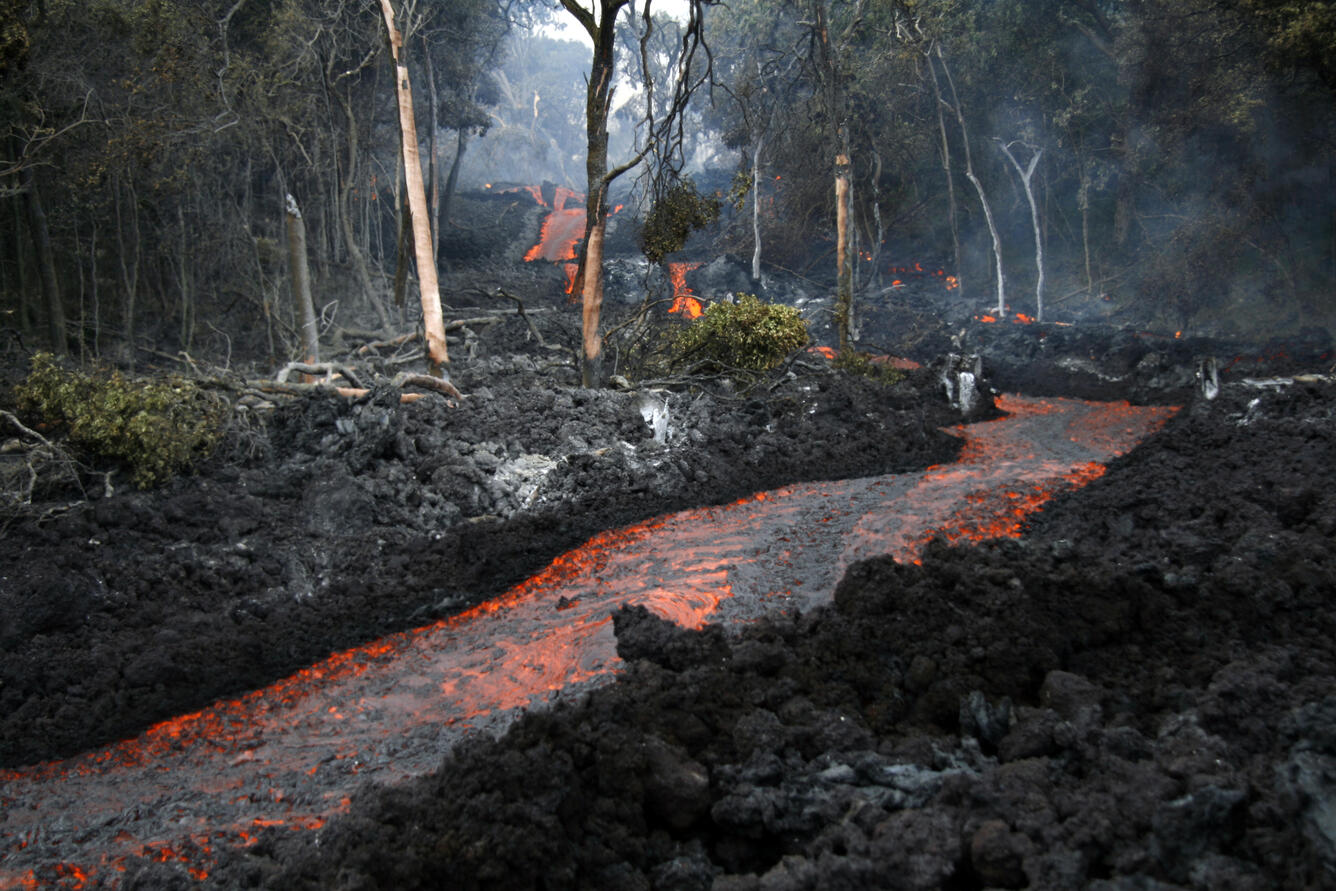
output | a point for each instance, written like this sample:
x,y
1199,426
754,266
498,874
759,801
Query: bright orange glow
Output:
x,y
990,319
828,352
287,756
1022,319
563,227
684,299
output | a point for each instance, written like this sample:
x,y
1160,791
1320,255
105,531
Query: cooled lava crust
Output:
x,y
1138,691
1136,694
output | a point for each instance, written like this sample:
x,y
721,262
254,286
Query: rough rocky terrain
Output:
x,y
1137,694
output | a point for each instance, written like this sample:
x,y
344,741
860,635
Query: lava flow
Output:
x,y
291,755
563,228
684,299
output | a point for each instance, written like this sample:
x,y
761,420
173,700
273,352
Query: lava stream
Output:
x,y
291,754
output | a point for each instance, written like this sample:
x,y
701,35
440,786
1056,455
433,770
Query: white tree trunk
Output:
x,y
1027,180
756,212
978,186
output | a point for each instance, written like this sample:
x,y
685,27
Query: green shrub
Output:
x,y
156,428
854,362
673,218
748,335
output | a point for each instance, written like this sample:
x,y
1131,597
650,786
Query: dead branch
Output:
x,y
519,310
427,382
328,369
383,344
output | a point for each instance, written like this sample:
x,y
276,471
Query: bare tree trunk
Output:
x,y
301,281
978,187
21,266
452,180
1083,202
46,264
129,257
844,261
433,152
756,210
1027,180
401,252
591,300
432,319
183,275
950,177
598,102
344,209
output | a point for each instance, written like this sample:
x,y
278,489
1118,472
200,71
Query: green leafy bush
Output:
x,y
748,335
156,428
674,217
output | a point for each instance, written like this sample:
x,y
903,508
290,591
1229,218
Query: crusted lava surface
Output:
x,y
1135,693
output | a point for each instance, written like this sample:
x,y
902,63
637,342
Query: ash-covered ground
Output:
x,y
1137,694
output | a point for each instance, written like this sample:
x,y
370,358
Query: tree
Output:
x,y
432,321
599,22
1026,175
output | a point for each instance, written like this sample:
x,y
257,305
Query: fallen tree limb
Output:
x,y
326,368
427,382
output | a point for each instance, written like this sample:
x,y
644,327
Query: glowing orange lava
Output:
x,y
684,299
289,755
563,228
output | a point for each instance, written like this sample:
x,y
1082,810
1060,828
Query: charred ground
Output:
x,y
1135,694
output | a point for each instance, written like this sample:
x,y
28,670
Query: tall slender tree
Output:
x,y
599,21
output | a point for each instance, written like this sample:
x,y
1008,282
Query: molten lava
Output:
x,y
563,228
684,299
288,756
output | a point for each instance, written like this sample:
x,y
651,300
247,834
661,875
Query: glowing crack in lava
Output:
x,y
291,754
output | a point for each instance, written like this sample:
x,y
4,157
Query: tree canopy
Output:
x,y
1169,156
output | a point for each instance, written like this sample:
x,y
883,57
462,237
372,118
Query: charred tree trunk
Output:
x,y
401,252
344,209
301,280
432,319
46,264
128,250
452,179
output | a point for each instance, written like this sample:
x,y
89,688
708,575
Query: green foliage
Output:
x,y
673,217
156,428
748,335
854,362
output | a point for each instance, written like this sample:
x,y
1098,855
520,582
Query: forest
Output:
x,y
671,445
1167,159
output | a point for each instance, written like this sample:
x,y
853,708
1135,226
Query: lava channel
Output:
x,y
292,754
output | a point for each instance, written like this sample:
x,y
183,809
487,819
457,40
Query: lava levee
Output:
x,y
291,754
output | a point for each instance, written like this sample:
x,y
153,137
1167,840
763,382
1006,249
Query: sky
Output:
x,y
568,29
